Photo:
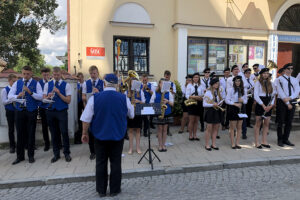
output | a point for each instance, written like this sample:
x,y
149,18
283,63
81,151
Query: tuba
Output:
x,y
126,83
272,65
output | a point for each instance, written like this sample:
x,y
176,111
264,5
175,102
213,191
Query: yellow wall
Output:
x,y
90,27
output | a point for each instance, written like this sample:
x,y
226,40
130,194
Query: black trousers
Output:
x,y
111,150
249,106
201,114
145,124
10,116
91,142
45,131
225,121
286,117
58,124
26,126
78,133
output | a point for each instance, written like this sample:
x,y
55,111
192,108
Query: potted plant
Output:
x,y
177,109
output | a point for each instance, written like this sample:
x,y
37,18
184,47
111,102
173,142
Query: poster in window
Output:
x,y
241,58
251,52
220,66
212,60
259,51
200,65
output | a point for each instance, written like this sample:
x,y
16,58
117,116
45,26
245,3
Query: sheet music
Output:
x,y
147,111
21,101
166,86
242,115
136,85
47,101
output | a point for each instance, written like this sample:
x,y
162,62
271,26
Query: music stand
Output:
x,y
143,110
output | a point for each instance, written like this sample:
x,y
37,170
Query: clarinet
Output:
x,y
263,116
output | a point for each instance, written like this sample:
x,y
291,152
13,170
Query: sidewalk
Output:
x,y
184,154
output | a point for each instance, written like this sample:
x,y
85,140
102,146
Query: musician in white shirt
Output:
x,y
264,94
244,67
255,75
288,91
235,71
223,84
185,116
236,98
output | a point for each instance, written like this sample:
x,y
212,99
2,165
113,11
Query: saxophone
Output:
x,y
163,106
133,98
211,101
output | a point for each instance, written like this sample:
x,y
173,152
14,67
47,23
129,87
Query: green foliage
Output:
x,y
177,109
40,63
21,22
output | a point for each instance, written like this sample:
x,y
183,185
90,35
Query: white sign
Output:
x,y
148,111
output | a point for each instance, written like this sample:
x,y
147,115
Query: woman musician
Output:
x,y
185,117
194,93
236,99
213,115
264,95
135,124
164,98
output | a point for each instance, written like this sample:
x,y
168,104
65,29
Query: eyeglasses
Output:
x,y
255,68
290,68
206,72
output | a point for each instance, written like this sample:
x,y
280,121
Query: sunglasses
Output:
x,y
206,72
290,68
254,68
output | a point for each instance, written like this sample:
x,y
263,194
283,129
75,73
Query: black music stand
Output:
x,y
157,111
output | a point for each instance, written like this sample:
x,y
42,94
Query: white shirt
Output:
x,y
183,89
88,112
4,98
190,90
253,77
223,82
37,96
171,97
232,97
142,96
258,92
203,82
283,89
298,77
84,85
210,96
248,84
67,89
229,84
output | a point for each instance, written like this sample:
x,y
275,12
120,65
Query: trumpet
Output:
x,y
23,95
210,101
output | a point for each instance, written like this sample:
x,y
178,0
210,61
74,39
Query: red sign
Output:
x,y
95,52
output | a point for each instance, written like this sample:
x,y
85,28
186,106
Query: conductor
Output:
x,y
106,113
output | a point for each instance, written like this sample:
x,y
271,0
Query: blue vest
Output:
x,y
59,104
41,104
158,99
89,86
31,103
110,116
147,94
79,96
9,106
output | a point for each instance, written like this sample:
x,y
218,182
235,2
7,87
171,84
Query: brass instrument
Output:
x,y
23,96
210,101
272,65
171,89
163,106
126,83
190,102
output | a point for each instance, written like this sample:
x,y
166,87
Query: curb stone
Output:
x,y
33,182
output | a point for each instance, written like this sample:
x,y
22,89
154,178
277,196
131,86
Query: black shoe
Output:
x,y
164,150
68,158
215,148
238,147
244,137
46,148
280,144
259,147
191,139
126,137
218,137
233,147
208,149
197,139
202,129
249,126
102,194
18,160
180,132
92,156
145,135
266,145
31,159
113,194
12,150
169,134
54,159
152,126
288,143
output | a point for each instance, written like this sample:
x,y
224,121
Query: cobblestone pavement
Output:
x,y
268,182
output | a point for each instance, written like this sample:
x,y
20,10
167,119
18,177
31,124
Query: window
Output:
x,y
134,55
217,54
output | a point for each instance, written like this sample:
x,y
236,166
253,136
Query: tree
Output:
x,y
21,22
40,63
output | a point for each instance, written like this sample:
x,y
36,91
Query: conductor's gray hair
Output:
x,y
108,84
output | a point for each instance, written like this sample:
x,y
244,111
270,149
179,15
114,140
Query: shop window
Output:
x,y
217,55
134,55
237,52
196,55
257,53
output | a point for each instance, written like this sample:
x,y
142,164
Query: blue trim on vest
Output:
x,y
41,104
89,86
58,104
79,98
31,103
9,106
157,99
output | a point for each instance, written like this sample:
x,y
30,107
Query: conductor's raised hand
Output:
x,y
85,138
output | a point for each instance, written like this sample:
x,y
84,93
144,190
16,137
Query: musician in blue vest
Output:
x,y
162,123
78,133
60,92
167,76
10,112
42,109
90,87
30,92
106,114
288,92
148,91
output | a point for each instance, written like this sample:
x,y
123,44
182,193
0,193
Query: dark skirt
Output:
x,y
166,120
183,106
259,111
196,110
213,116
233,112
136,122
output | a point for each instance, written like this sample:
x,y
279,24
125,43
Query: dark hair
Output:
x,y
244,65
56,69
256,65
92,68
269,84
45,70
144,75
11,76
167,72
79,74
241,87
196,74
27,68
158,89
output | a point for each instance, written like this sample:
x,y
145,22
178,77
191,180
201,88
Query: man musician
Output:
x,y
288,92
89,87
256,70
223,84
30,91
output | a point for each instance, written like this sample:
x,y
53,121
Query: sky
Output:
x,y
55,45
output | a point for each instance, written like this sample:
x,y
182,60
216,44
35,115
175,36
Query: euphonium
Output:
x,y
271,65
125,82
210,101
163,106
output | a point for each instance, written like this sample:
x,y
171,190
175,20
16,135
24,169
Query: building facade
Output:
x,y
183,36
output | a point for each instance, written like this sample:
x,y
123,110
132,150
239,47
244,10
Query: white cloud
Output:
x,y
54,45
